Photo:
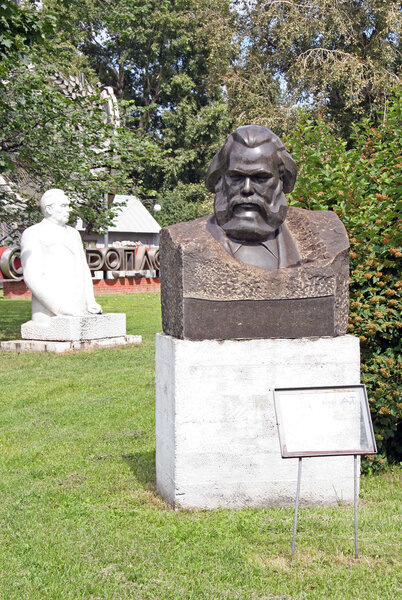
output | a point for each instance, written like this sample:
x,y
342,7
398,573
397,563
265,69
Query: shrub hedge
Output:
x,y
360,180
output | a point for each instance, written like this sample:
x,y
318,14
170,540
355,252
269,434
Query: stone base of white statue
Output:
x,y
68,346
63,334
216,436
89,327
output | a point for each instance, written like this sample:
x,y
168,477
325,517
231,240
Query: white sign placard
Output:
x,y
324,421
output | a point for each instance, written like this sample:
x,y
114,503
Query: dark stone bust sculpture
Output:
x,y
256,268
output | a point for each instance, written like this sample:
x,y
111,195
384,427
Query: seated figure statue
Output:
x,y
54,264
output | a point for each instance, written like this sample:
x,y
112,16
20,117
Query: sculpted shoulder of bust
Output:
x,y
54,263
249,177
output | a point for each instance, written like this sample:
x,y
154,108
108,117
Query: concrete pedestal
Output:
x,y
216,436
68,346
88,327
63,334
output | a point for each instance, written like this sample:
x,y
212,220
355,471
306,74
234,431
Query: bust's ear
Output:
x,y
48,210
288,171
218,166
214,172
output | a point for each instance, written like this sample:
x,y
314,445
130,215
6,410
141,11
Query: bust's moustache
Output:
x,y
250,201
273,211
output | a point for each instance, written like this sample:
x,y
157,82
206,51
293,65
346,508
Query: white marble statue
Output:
x,y
54,263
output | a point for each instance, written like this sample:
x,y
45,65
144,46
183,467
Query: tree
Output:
x,y
341,59
168,59
140,46
255,96
20,29
49,139
52,139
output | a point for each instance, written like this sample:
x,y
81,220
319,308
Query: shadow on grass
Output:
x,y
142,464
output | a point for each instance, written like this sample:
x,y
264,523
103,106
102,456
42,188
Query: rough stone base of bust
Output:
x,y
76,329
216,435
60,347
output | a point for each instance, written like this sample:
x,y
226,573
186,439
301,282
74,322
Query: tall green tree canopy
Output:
x,y
21,27
341,58
168,59
186,72
140,47
53,137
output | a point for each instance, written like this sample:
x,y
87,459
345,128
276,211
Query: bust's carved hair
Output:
x,y
251,136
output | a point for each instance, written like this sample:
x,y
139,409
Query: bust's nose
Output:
x,y
247,187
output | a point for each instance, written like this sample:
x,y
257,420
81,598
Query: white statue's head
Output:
x,y
55,206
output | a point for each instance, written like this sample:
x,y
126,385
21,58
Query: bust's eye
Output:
x,y
261,177
236,177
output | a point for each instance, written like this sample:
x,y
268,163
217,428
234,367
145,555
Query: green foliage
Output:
x,y
20,28
340,59
191,137
362,184
185,72
185,203
49,139
52,140
169,59
189,142
145,44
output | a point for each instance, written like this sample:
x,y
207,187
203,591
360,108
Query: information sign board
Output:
x,y
324,421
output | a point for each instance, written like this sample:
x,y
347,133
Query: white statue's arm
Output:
x,y
92,306
33,261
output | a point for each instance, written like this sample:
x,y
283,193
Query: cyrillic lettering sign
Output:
x,y
122,260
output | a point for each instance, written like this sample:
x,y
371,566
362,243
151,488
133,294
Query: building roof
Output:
x,y
131,218
134,217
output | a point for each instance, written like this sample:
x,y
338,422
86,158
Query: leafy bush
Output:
x,y
185,203
361,183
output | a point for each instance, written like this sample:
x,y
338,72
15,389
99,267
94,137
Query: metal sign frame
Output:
x,y
342,390
300,454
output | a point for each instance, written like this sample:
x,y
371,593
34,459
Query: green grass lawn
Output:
x,y
80,517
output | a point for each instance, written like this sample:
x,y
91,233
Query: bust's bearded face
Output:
x,y
250,204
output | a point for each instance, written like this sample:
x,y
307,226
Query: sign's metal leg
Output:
x,y
355,504
296,508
